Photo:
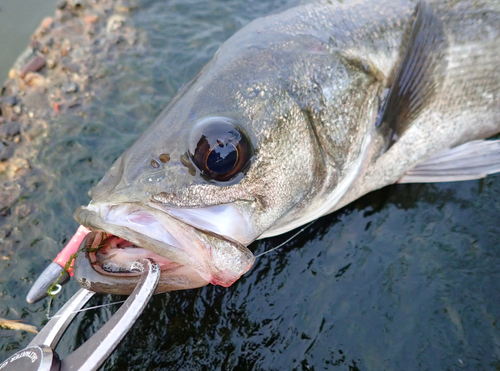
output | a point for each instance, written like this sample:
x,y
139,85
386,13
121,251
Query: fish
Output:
x,y
298,114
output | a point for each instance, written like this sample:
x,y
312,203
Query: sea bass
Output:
x,y
298,114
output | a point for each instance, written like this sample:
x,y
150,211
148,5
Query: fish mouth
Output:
x,y
188,256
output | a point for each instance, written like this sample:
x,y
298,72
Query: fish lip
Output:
x,y
91,218
93,221
227,215
89,278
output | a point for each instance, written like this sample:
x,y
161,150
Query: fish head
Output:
x,y
233,155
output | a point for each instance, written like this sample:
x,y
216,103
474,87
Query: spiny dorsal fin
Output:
x,y
471,160
417,77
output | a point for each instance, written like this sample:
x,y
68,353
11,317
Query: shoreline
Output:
x,y
58,74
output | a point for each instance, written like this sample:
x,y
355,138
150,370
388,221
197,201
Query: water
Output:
x,y
405,278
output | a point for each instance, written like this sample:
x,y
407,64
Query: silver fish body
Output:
x,y
298,114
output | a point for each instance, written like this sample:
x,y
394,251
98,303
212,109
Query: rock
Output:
x,y
34,79
65,46
36,98
69,87
10,129
35,64
115,22
72,103
125,6
9,101
89,19
61,4
117,39
48,44
24,210
51,63
91,29
6,153
37,45
64,15
9,192
47,22
77,3
70,66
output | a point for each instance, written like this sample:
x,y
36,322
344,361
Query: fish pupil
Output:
x,y
220,149
222,158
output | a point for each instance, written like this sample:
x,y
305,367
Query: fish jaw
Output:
x,y
91,276
189,256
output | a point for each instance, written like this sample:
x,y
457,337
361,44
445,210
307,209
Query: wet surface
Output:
x,y
405,278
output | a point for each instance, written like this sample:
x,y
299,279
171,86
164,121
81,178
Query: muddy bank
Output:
x,y
62,70
54,112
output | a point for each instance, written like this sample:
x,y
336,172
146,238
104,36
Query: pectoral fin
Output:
x,y
472,160
417,77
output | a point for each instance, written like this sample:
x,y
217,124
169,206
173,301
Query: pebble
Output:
x,y
70,66
115,22
77,3
125,5
69,87
47,22
118,39
48,43
34,79
23,210
63,15
35,44
6,153
61,4
35,64
73,103
9,101
5,211
65,46
51,63
10,129
91,29
91,19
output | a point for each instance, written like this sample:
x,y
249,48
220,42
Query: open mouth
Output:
x,y
188,256
113,255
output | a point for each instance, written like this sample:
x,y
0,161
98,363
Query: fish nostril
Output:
x,y
165,158
185,161
155,164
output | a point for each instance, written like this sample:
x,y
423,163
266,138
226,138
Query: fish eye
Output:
x,y
220,149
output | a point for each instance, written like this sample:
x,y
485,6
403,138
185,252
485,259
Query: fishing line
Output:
x,y
89,308
284,243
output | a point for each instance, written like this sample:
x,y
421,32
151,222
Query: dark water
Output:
x,y
407,278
